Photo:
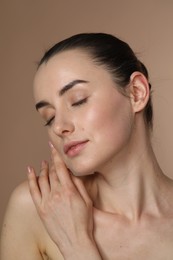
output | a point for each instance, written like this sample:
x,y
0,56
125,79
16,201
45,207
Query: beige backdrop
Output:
x,y
29,27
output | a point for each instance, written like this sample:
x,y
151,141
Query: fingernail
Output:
x,y
29,169
51,145
43,163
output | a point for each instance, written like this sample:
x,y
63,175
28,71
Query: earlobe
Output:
x,y
139,91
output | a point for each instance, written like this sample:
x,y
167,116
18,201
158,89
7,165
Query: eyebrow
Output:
x,y
66,88
41,104
71,85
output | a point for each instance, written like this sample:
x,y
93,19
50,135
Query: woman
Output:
x,y
103,196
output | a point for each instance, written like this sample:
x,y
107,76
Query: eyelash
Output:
x,y
48,123
78,103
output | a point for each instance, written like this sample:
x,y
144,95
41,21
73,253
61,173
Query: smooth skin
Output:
x,y
110,200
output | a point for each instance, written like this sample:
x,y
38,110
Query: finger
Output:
x,y
43,179
33,186
53,178
60,168
81,188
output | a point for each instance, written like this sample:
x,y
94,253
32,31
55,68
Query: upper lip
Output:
x,y
68,146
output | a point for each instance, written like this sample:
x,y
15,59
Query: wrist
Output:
x,y
83,250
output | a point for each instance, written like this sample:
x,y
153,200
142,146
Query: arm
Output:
x,y
65,209
19,239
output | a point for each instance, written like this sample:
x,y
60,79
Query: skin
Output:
x,y
111,200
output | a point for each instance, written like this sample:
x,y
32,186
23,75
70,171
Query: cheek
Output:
x,y
109,121
54,140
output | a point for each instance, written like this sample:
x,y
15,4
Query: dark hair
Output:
x,y
111,52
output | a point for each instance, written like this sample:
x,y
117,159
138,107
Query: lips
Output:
x,y
73,145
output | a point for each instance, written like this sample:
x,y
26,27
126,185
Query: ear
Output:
x,y
139,91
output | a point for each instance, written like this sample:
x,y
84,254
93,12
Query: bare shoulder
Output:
x,y
21,226
21,194
21,206
23,234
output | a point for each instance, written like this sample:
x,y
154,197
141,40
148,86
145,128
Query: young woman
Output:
x,y
103,196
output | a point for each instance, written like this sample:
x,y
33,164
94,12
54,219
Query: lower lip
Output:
x,y
76,149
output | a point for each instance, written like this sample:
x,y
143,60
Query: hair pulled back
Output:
x,y
112,53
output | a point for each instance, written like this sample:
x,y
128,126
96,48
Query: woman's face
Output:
x,y
88,120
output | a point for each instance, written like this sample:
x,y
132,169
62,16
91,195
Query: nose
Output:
x,y
63,126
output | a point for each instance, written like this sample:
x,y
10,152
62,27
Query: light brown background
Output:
x,y
29,27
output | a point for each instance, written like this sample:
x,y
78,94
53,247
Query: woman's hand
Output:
x,y
65,208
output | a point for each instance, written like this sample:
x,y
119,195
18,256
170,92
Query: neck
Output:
x,y
132,184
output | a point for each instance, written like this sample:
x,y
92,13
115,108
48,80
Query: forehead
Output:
x,y
69,62
65,67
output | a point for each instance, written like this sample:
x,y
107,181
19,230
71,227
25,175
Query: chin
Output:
x,y
81,170
81,173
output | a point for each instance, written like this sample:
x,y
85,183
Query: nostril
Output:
x,y
63,129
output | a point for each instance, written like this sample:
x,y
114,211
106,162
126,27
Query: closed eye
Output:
x,y
80,102
49,122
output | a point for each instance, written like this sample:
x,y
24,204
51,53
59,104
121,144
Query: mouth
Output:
x,y
74,148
